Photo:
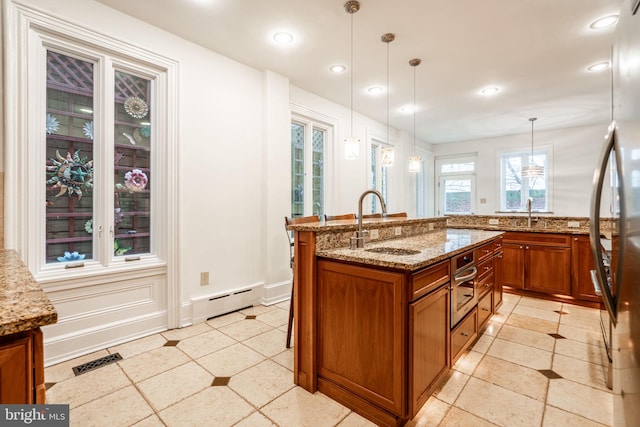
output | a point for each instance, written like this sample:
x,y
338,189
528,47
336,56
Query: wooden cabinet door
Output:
x,y
581,265
16,372
428,346
361,327
548,269
512,272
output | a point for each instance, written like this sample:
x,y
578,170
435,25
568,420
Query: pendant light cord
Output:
x,y
414,110
387,92
351,75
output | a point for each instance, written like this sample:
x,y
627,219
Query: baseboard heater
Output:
x,y
205,308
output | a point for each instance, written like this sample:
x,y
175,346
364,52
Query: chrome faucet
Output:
x,y
358,241
529,202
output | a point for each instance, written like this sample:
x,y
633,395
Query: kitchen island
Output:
x,y
373,325
24,308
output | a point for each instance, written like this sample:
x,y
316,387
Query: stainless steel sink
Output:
x,y
392,251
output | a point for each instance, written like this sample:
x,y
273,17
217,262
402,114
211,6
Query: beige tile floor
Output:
x,y
166,379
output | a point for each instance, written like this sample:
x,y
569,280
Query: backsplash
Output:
x,y
339,237
574,225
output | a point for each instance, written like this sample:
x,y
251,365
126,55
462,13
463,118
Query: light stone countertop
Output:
x,y
23,303
434,246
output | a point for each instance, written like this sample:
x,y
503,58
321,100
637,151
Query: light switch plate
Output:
x,y
398,231
374,234
494,221
204,278
573,224
431,226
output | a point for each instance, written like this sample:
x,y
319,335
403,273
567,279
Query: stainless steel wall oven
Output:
x,y
463,292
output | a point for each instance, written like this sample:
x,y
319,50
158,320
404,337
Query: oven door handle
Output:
x,y
472,275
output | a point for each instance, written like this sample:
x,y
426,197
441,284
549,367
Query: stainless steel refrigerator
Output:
x,y
615,242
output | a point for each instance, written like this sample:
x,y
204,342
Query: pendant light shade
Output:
x,y
532,170
415,162
351,143
387,154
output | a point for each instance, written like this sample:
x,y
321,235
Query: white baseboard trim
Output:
x,y
276,293
78,343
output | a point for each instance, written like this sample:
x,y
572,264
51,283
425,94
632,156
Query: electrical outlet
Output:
x,y
494,221
432,226
398,231
374,234
204,278
573,224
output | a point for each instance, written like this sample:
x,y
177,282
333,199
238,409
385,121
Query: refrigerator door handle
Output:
x,y
594,233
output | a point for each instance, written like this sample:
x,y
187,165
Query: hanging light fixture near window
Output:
x,y
414,161
387,154
351,143
532,170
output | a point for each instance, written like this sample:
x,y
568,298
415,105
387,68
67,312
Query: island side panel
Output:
x,y
362,333
304,311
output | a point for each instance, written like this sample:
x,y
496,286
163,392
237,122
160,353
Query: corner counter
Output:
x,y
24,308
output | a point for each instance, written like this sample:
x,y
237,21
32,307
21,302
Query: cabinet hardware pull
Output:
x,y
132,258
74,265
485,309
464,334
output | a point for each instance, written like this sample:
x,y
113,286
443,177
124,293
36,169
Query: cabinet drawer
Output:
x,y
497,245
485,268
542,239
483,285
485,306
484,251
464,334
429,279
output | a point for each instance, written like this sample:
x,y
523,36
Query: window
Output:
x,y
72,152
516,189
456,184
378,175
96,121
308,153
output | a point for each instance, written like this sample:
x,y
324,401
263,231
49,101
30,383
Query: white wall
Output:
x,y
575,154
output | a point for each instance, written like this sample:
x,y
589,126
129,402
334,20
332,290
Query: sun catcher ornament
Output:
x,y
70,174
136,107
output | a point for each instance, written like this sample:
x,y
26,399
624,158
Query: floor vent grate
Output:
x,y
95,364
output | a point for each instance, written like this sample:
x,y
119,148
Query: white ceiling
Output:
x,y
536,51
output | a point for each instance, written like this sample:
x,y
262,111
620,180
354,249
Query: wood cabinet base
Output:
x,y
22,368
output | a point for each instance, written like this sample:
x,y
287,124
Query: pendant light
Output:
x,y
414,161
351,143
532,170
387,154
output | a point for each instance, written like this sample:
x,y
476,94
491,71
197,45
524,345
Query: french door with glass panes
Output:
x,y
308,145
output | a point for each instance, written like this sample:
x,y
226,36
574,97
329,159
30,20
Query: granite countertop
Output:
x,y
23,303
433,247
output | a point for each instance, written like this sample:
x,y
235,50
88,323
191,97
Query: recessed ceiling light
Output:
x,y
375,90
604,22
599,66
338,68
490,90
283,38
